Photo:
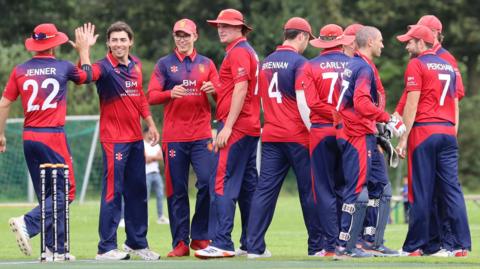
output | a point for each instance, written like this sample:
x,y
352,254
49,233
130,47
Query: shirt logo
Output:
x,y
174,69
201,68
172,153
118,156
369,154
116,70
241,71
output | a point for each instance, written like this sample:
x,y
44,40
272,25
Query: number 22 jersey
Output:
x,y
42,84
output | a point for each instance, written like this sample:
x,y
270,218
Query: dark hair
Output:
x,y
120,26
440,37
290,34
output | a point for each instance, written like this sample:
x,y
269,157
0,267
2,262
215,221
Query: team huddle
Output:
x,y
325,118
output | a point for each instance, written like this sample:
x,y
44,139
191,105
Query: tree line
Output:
x,y
152,22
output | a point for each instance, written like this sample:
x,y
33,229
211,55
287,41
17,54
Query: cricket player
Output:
x,y
41,83
118,78
360,109
284,138
182,82
431,114
323,79
235,173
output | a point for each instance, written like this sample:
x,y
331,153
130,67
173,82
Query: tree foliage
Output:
x,y
153,20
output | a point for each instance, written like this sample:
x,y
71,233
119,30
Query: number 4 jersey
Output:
x,y
42,84
280,75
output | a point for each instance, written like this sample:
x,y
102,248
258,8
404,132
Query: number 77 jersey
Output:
x,y
323,84
279,77
42,84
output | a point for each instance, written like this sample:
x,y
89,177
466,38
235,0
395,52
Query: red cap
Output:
x,y
297,23
352,29
418,32
231,17
185,25
431,22
331,35
45,36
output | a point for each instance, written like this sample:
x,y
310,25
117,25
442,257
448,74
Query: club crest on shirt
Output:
x,y
369,154
116,70
172,153
201,68
118,156
174,69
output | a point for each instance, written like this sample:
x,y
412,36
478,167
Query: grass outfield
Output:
x,y
286,239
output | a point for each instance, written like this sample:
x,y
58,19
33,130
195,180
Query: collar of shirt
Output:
x,y
182,56
436,47
234,43
331,50
115,63
365,58
44,55
429,51
286,47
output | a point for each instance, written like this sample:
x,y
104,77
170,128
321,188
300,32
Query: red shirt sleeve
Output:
x,y
11,91
240,65
213,77
156,94
413,76
96,71
362,100
77,75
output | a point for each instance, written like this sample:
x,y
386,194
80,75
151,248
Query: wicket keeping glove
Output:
x,y
396,126
383,140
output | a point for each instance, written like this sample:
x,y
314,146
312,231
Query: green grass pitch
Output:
x,y
286,239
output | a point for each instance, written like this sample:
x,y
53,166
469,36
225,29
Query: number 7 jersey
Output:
x,y
280,75
42,84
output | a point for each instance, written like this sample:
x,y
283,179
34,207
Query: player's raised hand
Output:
x,y
178,91
89,30
84,37
207,87
3,144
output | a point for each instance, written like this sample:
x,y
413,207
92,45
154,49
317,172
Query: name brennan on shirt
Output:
x,y
41,71
275,65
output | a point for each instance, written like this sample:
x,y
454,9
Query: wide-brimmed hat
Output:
x,y
331,35
45,36
185,25
419,32
231,17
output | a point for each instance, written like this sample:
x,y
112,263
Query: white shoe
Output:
x,y
17,225
58,257
113,255
144,253
213,252
121,224
443,253
240,252
163,220
265,254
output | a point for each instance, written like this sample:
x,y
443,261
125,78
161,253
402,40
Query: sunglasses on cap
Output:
x,y
41,36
